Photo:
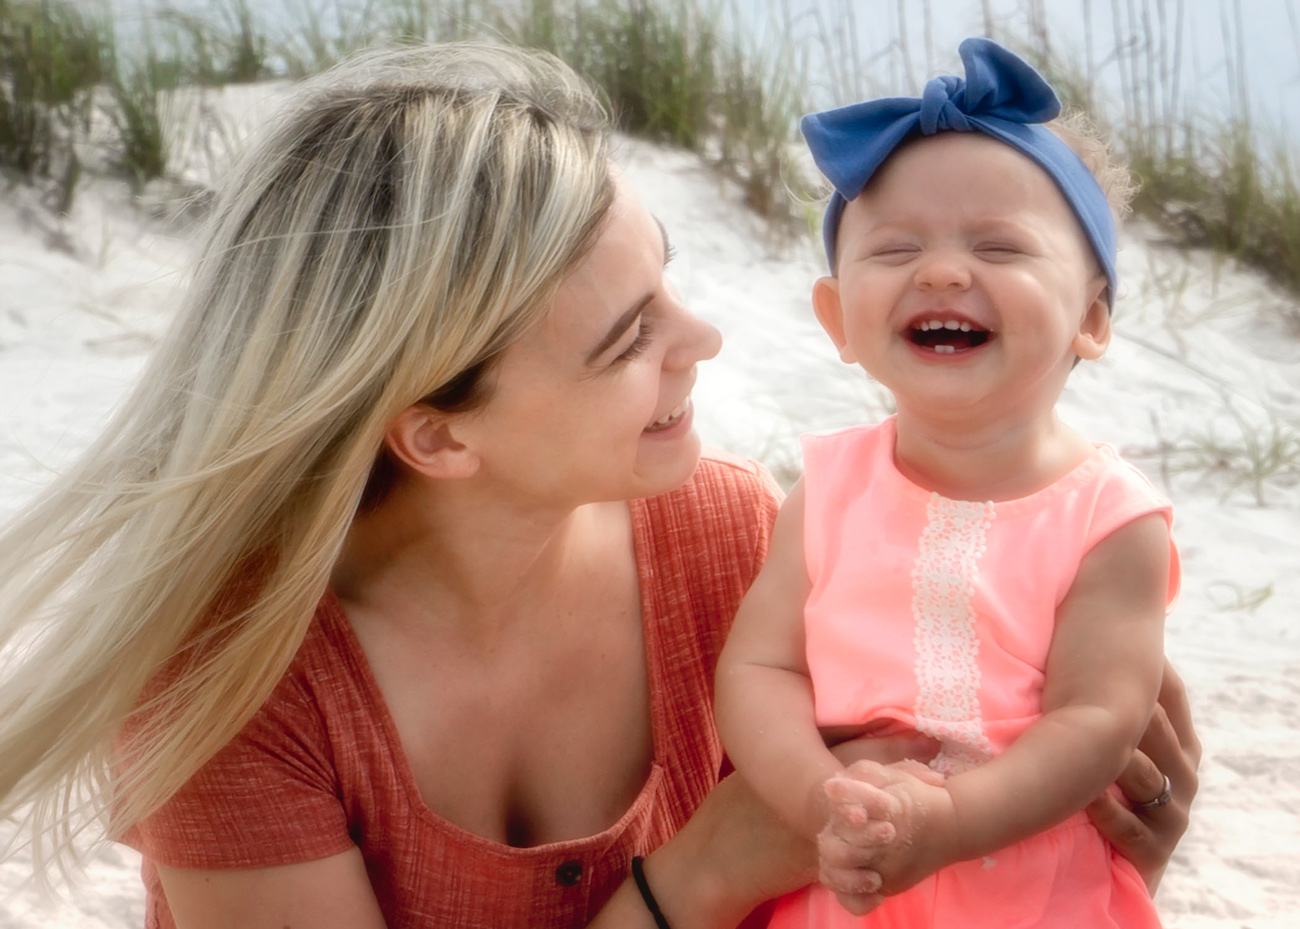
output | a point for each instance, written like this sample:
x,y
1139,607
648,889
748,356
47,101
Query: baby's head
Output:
x,y
1002,97
974,152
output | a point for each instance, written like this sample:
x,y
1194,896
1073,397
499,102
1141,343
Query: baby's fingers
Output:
x,y
857,888
854,803
860,904
919,770
854,852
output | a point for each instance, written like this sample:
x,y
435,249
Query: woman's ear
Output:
x,y
1094,328
421,438
830,313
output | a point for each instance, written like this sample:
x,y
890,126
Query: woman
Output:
x,y
348,616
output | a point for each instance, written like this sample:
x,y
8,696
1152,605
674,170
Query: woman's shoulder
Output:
x,y
723,514
726,490
729,474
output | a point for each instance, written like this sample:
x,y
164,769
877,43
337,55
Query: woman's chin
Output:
x,y
665,465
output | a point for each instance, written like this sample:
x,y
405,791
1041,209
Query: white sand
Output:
x,y
1201,358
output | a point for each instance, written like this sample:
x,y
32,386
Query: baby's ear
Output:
x,y
1094,328
830,313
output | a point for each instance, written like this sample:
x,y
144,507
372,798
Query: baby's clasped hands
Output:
x,y
871,846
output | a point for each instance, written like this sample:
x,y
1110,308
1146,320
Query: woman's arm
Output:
x,y
735,854
330,893
732,855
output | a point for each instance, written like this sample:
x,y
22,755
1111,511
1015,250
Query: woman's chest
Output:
x,y
546,737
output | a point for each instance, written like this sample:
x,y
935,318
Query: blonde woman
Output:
x,y
392,596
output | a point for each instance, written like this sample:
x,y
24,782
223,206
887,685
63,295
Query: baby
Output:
x,y
971,568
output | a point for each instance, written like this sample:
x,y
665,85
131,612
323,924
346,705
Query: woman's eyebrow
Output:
x,y
623,322
620,326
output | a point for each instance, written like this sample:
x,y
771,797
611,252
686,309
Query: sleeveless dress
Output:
x,y
937,614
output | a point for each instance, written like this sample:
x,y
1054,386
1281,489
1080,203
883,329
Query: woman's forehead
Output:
x,y
620,270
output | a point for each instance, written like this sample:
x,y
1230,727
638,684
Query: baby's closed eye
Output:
x,y
894,251
997,251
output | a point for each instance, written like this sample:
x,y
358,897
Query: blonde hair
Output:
x,y
1077,130
407,219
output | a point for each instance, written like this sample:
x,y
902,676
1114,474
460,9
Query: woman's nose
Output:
x,y
700,341
695,340
942,270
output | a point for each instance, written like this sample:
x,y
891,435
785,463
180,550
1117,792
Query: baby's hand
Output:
x,y
886,830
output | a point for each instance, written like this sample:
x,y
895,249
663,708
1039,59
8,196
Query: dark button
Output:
x,y
569,873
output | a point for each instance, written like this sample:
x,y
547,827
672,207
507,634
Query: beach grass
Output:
x,y
697,74
51,59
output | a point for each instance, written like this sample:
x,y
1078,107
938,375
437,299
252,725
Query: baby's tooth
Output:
x,y
952,324
965,327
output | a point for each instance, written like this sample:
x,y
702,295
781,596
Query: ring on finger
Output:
x,y
1161,799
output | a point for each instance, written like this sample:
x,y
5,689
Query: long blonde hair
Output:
x,y
400,225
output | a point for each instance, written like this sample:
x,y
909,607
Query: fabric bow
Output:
x,y
1001,96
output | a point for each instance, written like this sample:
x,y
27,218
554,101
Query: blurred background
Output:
x,y
1201,95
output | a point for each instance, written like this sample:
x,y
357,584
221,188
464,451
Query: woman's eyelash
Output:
x,y
639,344
669,254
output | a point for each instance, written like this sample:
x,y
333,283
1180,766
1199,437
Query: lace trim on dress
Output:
x,y
947,647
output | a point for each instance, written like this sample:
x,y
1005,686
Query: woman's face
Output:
x,y
593,403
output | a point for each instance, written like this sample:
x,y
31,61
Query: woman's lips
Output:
x,y
673,417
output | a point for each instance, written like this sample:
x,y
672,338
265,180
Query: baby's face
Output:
x,y
963,275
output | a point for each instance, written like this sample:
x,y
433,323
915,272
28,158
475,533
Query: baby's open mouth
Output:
x,y
946,336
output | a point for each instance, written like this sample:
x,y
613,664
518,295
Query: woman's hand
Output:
x,y
1143,833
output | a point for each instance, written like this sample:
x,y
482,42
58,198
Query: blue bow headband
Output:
x,y
1002,96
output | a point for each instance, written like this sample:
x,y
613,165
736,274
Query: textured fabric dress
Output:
x,y
320,769
937,614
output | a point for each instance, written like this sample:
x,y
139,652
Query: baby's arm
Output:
x,y
1103,674
764,702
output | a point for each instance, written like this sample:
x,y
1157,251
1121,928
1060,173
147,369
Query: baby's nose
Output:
x,y
942,270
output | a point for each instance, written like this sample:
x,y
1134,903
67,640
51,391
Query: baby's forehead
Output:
x,y
923,159
963,171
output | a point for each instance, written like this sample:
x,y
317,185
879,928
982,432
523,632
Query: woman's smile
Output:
x,y
679,415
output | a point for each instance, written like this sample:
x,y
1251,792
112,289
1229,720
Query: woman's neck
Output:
x,y
472,564
967,459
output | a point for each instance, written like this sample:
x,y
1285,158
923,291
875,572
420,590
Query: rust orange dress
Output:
x,y
320,768
937,615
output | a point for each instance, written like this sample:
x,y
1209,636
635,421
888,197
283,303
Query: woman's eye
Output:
x,y
639,344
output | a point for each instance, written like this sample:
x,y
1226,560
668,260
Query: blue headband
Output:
x,y
1002,96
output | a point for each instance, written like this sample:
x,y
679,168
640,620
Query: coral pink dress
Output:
x,y
937,614
321,768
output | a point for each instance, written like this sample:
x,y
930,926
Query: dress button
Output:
x,y
569,873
